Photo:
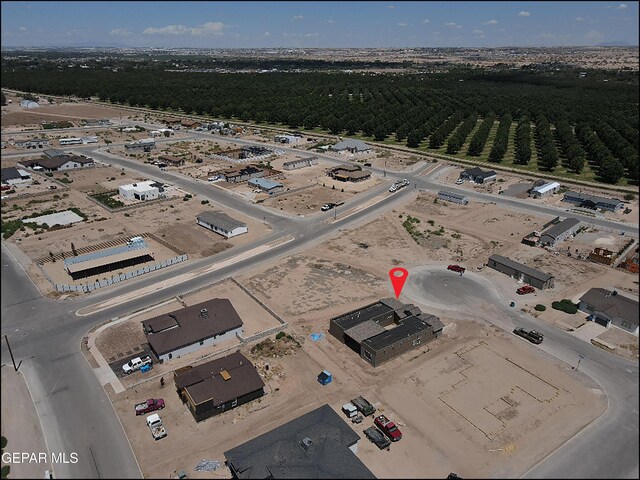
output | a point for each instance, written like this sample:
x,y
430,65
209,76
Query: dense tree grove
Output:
x,y
546,145
573,153
460,135
420,109
501,142
440,135
476,146
622,150
523,141
609,169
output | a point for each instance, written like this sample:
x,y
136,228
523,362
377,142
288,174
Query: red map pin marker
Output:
x,y
398,276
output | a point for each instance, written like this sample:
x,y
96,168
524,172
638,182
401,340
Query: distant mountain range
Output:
x,y
615,43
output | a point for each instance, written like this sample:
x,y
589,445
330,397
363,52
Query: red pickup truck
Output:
x,y
151,405
388,428
456,268
525,289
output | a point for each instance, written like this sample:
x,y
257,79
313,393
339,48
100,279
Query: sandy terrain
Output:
x,y
524,407
172,220
127,339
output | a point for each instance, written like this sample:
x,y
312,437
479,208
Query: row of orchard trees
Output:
x,y
418,110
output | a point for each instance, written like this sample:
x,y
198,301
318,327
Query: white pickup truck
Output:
x,y
136,364
156,426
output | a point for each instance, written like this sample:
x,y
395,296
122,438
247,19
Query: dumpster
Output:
x,y
325,377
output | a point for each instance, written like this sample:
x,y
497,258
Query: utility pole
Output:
x,y
11,353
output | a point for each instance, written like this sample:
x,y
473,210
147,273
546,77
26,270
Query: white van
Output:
x,y
350,410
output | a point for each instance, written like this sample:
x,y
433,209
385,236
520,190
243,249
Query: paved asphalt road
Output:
x,y
76,414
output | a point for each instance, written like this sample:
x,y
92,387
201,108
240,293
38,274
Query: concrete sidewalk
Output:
x,y
21,426
103,372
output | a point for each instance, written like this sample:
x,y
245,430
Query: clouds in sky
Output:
x,y
492,22
120,32
297,17
452,25
524,14
209,28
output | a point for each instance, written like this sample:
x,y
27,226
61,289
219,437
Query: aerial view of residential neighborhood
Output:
x,y
338,240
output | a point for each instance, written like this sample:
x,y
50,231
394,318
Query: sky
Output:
x,y
317,24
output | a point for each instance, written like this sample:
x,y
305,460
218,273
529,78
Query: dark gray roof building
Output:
x,y
532,276
593,201
191,326
385,329
9,173
478,175
559,231
409,326
608,307
218,385
318,444
53,152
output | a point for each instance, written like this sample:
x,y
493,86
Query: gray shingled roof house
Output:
x,y
318,444
532,276
351,145
222,224
559,232
189,329
607,308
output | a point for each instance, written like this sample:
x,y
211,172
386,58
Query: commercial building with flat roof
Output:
x,y
222,223
593,202
192,328
383,330
318,444
218,385
410,333
147,190
608,307
522,272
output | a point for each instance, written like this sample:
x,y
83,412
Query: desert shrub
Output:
x,y
540,308
565,305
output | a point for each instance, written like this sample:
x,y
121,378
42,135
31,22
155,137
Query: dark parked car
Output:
x,y
531,335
